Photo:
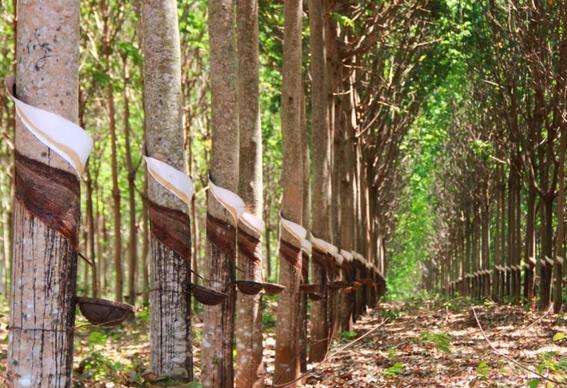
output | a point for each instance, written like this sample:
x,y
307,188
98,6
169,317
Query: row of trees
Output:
x,y
342,122
502,184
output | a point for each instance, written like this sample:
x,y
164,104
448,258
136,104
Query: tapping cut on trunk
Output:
x,y
171,228
49,194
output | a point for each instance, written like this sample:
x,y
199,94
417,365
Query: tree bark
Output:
x,y
306,215
170,270
132,229
219,320
249,365
287,363
42,315
321,194
530,246
91,231
560,211
117,217
145,246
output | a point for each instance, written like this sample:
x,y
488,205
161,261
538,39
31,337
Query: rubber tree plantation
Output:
x,y
254,193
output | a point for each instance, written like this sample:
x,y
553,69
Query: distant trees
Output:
x,y
516,161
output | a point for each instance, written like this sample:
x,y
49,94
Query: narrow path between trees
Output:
x,y
425,344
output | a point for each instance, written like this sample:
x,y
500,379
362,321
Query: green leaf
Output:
x,y
559,336
442,341
483,370
533,383
97,338
349,335
394,370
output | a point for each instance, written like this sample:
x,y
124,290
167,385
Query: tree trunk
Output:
x,y
546,222
133,232
219,320
249,365
287,363
321,194
170,267
91,231
117,217
560,209
530,246
485,247
502,237
145,246
306,215
268,250
42,315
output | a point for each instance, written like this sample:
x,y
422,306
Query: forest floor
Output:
x,y
413,344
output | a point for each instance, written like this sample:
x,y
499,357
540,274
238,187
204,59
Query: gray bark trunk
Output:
x,y
219,320
42,315
249,365
287,362
321,194
170,327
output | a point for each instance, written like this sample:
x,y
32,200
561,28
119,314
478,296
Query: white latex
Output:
x,y
253,222
324,246
306,246
175,181
338,258
229,200
296,230
347,255
62,136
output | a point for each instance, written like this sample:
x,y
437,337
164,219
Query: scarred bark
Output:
x,y
219,320
170,326
321,194
287,363
42,315
249,366
303,335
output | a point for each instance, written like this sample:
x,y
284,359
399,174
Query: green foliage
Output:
x,y
392,352
390,314
97,337
483,370
99,367
533,383
143,315
548,362
268,320
442,341
394,370
349,335
559,336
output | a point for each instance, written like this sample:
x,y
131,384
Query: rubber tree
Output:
x,y
321,162
287,363
42,314
218,332
170,264
249,365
